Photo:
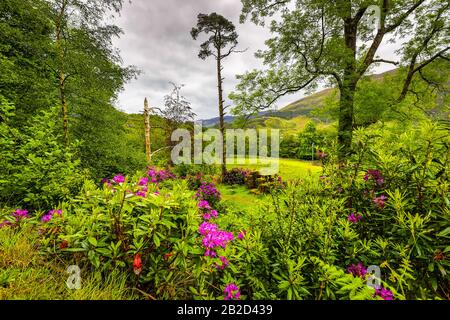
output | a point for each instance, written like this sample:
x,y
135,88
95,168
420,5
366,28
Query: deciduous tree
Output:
x,y
321,40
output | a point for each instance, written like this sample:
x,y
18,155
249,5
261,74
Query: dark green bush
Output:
x,y
37,170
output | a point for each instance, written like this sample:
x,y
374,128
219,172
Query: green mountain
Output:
x,y
304,106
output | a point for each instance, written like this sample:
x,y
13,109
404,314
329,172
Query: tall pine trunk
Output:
x,y
148,145
61,74
221,111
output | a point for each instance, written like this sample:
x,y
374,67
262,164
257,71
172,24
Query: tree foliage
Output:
x,y
333,41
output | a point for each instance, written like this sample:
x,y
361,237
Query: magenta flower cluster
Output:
x,y
157,176
143,189
119,179
354,217
357,270
18,214
375,175
210,214
380,201
49,215
107,182
142,193
143,182
385,294
203,204
207,227
208,191
214,238
231,292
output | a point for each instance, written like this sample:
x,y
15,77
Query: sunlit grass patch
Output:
x,y
289,169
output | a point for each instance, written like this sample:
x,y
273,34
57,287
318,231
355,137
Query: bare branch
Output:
x,y
395,63
276,3
283,92
413,70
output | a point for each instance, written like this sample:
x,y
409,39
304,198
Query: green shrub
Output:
x,y
37,170
236,176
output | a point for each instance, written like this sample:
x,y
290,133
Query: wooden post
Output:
x,y
148,145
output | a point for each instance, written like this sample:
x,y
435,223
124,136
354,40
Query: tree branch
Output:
x,y
283,92
404,16
413,69
395,63
358,16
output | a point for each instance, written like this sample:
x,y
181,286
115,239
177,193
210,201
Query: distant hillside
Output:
x,y
305,105
215,121
302,107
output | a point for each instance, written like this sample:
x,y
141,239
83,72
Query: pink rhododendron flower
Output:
x,y
143,181
218,238
214,213
379,201
119,179
20,213
385,294
207,216
231,292
140,194
354,217
375,175
207,227
48,216
204,205
357,270
241,235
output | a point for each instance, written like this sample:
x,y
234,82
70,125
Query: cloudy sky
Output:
x,y
157,40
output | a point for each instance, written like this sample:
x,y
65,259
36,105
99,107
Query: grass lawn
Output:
x,y
242,198
289,169
239,196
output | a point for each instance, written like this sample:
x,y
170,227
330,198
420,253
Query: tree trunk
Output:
x,y
348,89
64,107
61,74
346,120
221,112
148,146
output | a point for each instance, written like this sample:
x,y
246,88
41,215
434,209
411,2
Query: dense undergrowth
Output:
x,y
157,236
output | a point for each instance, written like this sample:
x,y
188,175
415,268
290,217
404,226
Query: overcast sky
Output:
x,y
157,40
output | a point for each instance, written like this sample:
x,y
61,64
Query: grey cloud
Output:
x,y
157,40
